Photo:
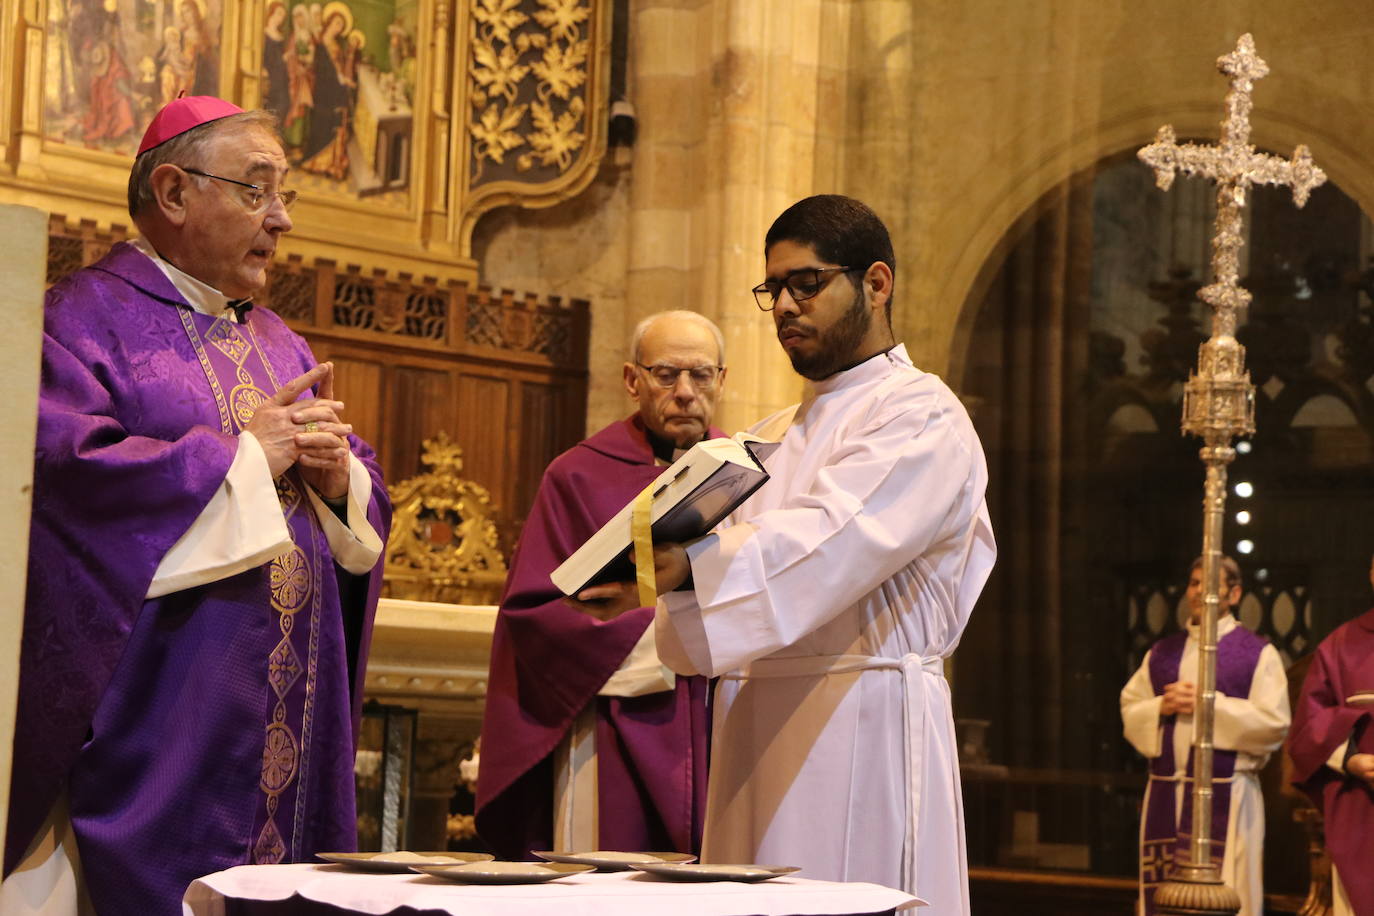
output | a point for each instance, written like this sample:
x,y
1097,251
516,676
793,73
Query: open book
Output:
x,y
690,498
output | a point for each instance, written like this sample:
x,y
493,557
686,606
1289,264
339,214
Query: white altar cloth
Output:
x,y
591,894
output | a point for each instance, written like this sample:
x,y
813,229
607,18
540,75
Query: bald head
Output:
x,y
676,406
676,318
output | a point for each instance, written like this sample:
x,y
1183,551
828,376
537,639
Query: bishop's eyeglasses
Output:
x,y
666,376
255,198
800,284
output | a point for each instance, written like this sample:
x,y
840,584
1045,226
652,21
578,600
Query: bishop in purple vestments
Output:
x,y
1332,747
204,548
556,663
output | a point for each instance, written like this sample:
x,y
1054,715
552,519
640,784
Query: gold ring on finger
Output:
x,y
312,427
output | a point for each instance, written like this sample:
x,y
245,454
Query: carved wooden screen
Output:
x,y
504,376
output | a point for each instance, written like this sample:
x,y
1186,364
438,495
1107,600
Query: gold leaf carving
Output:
x,y
554,141
562,18
499,73
563,68
500,17
443,544
528,57
495,131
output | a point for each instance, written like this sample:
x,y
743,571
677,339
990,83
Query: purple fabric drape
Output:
x,y
181,726
1323,722
548,661
1168,832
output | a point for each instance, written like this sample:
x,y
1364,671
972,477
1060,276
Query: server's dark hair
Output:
x,y
841,230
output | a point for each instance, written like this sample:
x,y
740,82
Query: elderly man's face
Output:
x,y
681,413
228,245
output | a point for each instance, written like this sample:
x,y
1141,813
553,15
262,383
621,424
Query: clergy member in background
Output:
x,y
204,554
829,601
1332,747
1251,720
588,742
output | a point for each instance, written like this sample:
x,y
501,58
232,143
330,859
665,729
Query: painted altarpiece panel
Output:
x,y
109,65
404,120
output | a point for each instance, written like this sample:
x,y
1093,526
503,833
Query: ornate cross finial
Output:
x,y
1219,404
1234,165
1234,162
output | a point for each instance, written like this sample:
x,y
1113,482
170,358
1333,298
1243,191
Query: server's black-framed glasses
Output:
x,y
666,376
801,285
256,199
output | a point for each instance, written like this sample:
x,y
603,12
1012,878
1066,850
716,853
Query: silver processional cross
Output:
x,y
1218,405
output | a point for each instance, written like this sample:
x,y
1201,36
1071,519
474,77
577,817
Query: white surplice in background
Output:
x,y
1253,726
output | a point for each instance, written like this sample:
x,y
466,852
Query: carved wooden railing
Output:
x,y
323,296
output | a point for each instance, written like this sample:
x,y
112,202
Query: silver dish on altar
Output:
x,y
607,860
400,862
503,872
716,872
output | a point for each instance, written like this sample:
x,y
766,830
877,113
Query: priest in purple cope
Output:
x,y
204,553
1332,747
588,742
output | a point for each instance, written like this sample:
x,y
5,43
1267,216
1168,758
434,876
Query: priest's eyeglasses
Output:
x,y
256,199
667,376
800,284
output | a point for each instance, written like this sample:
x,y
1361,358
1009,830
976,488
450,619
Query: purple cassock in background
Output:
x,y
216,725
1323,722
549,660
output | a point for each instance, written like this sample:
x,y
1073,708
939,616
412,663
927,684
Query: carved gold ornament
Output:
x,y
443,544
528,76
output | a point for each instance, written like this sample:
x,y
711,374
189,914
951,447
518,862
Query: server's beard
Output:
x,y
837,344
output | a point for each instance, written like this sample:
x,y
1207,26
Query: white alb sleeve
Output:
x,y
241,527
1140,712
355,546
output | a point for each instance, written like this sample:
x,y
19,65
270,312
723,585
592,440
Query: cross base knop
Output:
x,y
1196,891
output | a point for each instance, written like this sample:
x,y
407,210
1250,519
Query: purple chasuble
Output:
x,y
548,660
1167,832
214,726
1322,722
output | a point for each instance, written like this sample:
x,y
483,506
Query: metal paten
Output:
x,y
1218,405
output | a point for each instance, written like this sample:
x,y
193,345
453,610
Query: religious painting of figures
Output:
x,y
111,64
341,77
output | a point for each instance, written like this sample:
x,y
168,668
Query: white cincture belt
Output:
x,y
915,715
813,665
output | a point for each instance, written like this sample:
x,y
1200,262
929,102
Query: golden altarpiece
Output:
x,y
404,121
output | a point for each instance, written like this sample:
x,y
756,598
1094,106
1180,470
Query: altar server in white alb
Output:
x,y
828,602
1250,721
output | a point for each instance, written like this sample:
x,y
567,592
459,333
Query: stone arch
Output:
x,y
1023,196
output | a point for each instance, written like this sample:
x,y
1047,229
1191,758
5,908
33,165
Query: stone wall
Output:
x,y
953,119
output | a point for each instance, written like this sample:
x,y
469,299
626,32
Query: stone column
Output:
x,y
741,108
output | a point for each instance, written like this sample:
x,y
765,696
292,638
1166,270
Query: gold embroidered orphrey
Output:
x,y
1218,405
293,581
